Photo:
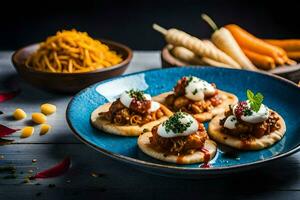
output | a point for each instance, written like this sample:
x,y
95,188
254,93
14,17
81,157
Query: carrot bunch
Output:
x,y
230,46
264,55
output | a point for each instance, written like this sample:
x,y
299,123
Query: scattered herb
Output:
x,y
190,79
7,169
174,124
247,112
136,94
5,141
255,100
54,171
195,91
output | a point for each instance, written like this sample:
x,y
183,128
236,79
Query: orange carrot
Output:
x,y
294,55
254,44
286,44
259,60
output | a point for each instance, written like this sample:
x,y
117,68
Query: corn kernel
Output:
x,y
39,118
45,128
27,131
19,114
48,109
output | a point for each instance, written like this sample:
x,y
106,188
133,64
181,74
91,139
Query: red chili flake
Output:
x,y
4,96
54,171
5,131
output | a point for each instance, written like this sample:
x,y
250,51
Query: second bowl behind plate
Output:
x,y
69,82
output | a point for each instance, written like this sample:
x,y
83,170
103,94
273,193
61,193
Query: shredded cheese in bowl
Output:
x,y
72,52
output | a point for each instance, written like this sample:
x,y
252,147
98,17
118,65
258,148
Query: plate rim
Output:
x,y
166,166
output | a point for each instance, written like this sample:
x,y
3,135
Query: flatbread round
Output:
x,y
126,130
215,133
227,98
197,157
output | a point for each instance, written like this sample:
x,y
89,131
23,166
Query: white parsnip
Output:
x,y
180,38
214,63
224,40
209,43
189,57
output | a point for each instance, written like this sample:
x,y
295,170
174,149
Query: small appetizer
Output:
x,y
248,125
197,97
181,139
130,115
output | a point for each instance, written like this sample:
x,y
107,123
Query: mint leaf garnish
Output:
x,y
255,100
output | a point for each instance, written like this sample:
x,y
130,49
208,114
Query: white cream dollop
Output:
x,y
126,100
186,119
255,117
154,106
197,89
230,122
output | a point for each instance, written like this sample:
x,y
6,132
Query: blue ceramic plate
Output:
x,y
280,95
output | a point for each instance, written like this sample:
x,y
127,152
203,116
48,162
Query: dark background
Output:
x,y
130,21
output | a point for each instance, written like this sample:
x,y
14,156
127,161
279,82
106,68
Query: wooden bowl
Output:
x,y
289,72
69,82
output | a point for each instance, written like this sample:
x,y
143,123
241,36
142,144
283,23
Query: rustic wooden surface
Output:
x,y
278,181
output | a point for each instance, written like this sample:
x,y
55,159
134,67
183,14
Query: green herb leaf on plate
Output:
x,y
255,100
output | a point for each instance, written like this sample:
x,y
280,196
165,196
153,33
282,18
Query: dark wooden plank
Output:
x,y
46,193
276,180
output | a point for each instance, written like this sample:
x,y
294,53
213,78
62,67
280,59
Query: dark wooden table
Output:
x,y
280,180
